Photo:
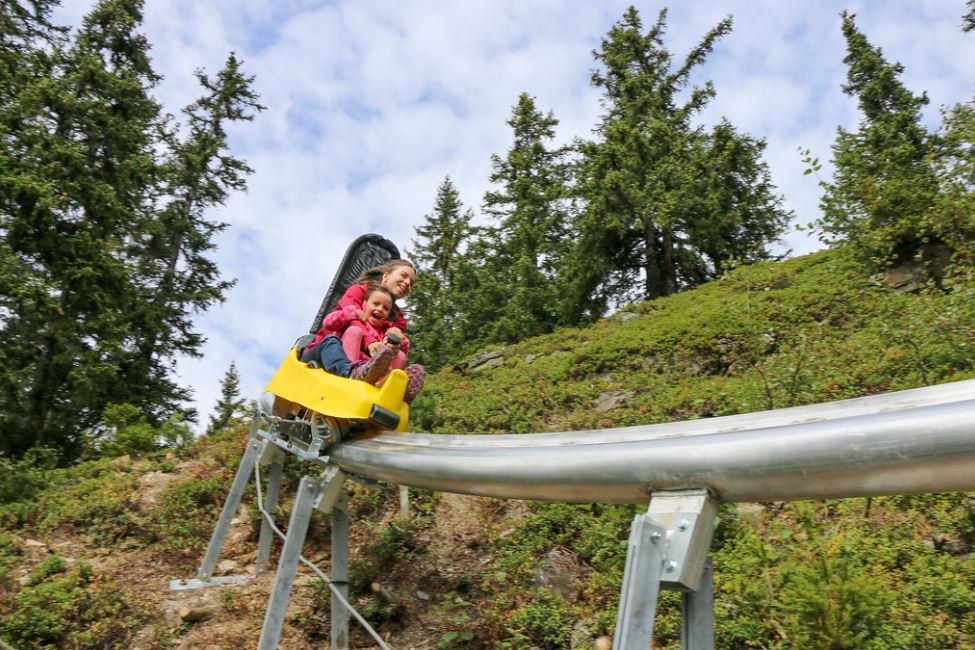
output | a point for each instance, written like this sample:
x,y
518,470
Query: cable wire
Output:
x,y
321,574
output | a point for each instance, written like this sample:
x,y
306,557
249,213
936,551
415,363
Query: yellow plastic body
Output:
x,y
336,396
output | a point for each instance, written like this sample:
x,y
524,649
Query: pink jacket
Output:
x,y
343,316
356,295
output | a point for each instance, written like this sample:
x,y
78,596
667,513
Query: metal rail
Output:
x,y
920,440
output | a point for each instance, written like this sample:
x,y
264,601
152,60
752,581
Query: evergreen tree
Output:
x,y
664,199
77,161
230,407
951,216
968,20
526,245
884,183
437,303
90,172
175,278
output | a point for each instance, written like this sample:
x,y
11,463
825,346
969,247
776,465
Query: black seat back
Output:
x,y
364,253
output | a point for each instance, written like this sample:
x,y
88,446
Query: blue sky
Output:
x,y
371,103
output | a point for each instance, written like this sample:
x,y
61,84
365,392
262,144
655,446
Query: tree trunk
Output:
x,y
651,262
669,271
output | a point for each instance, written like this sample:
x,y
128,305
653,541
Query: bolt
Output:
x,y
670,567
683,524
655,537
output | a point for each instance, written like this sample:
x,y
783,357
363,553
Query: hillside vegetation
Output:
x,y
86,553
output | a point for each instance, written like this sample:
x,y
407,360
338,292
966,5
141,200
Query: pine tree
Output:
x,y
175,277
884,183
437,327
526,246
90,172
79,159
230,407
664,198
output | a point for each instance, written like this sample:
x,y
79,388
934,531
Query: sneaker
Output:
x,y
416,373
376,368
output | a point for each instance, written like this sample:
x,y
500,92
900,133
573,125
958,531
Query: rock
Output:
x,y
603,643
613,399
226,566
904,278
559,569
490,363
626,316
531,358
485,360
581,637
422,595
34,543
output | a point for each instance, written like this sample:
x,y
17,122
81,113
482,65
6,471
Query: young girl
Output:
x,y
362,328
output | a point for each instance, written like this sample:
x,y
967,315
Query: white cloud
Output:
x,y
371,104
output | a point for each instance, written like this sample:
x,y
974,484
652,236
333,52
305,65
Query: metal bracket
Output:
x,y
668,550
689,518
197,583
334,482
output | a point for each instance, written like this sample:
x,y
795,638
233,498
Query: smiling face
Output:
x,y
377,306
399,281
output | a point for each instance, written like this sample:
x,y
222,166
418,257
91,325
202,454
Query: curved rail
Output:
x,y
920,440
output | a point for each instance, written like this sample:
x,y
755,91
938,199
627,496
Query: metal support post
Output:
x,y
308,492
641,585
271,507
668,550
254,449
404,503
340,572
697,609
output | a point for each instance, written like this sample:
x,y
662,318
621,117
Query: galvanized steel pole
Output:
x,y
913,441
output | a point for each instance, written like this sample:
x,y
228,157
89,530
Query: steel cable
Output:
x,y
321,574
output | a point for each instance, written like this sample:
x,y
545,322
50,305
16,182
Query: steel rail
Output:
x,y
913,441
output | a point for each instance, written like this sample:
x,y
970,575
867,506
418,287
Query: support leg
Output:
x,y
271,507
254,449
641,585
308,492
404,503
340,572
697,609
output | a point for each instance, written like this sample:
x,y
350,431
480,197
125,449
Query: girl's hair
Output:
x,y
376,273
373,288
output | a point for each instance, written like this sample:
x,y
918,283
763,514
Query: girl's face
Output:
x,y
399,281
377,307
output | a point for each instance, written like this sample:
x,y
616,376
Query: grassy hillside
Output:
x,y
86,553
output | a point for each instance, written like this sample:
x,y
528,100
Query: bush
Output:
x,y
76,609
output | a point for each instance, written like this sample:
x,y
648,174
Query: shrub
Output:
x,y
76,609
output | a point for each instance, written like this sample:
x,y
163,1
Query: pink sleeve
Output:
x,y
340,318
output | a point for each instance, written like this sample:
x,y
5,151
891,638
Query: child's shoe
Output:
x,y
416,373
376,368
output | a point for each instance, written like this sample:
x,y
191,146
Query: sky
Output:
x,y
371,103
